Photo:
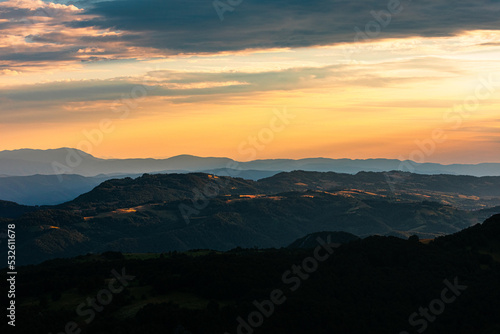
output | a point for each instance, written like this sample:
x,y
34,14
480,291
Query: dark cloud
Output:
x,y
148,28
72,91
193,26
40,56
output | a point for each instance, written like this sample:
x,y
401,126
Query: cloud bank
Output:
x,y
103,30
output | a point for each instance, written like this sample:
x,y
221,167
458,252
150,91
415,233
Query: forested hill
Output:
x,y
386,281
167,212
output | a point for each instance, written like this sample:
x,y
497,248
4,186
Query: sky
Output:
x,y
253,79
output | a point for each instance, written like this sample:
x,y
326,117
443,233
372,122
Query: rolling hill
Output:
x,y
167,212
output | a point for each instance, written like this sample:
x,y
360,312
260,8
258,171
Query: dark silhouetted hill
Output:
x,y
334,238
374,285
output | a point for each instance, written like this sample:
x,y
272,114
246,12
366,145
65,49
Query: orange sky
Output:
x,y
434,99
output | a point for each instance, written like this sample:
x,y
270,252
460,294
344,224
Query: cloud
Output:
x,y
77,100
190,87
34,32
161,83
9,72
193,26
167,83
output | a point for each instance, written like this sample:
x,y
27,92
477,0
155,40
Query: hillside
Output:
x,y
14,210
467,192
383,280
51,177
58,189
155,188
177,212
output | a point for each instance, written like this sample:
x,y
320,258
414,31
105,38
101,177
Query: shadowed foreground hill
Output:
x,y
375,285
14,210
335,238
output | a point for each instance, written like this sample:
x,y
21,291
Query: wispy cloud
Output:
x,y
35,33
168,83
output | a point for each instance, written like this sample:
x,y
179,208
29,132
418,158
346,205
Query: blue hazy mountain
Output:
x,y
46,189
71,161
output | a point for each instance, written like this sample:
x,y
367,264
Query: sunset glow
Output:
x,y
67,80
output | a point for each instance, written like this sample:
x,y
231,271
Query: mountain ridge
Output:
x,y
26,162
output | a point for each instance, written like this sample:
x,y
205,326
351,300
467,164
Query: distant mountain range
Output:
x,y
71,161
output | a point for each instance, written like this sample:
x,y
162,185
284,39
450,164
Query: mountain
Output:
x,y
475,193
57,189
372,285
480,237
167,212
248,174
466,192
71,161
156,188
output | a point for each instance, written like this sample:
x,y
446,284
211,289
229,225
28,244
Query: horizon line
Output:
x,y
255,160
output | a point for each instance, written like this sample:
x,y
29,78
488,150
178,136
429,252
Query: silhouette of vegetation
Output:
x,y
369,285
